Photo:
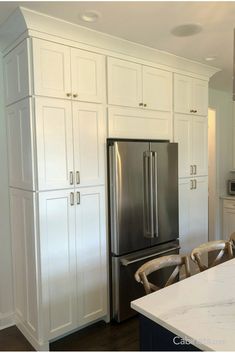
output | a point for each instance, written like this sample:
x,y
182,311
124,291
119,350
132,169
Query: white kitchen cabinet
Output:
x,y
191,133
91,254
17,73
58,261
135,85
20,145
193,213
190,95
137,123
228,217
67,73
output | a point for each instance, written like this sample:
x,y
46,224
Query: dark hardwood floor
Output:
x,y
98,337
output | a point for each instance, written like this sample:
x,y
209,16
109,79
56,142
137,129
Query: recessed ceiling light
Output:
x,y
186,30
90,16
210,58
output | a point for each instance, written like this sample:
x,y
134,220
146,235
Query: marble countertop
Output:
x,y
200,308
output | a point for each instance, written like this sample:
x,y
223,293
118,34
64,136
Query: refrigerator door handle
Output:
x,y
126,262
148,195
155,195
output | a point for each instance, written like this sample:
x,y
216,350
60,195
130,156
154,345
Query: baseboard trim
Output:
x,y
6,320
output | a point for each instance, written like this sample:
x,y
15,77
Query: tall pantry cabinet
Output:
x,y
55,113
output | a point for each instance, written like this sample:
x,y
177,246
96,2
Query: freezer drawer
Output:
x,y
125,288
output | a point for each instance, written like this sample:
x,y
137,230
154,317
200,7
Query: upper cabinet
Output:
x,y
190,95
136,85
64,72
16,73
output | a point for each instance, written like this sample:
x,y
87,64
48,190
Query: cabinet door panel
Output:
x,y
88,75
228,222
20,145
54,143
16,72
57,240
182,94
200,96
139,123
200,145
89,143
91,255
183,135
52,76
157,89
124,83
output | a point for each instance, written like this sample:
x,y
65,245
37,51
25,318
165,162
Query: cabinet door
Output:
x,y
157,89
228,222
88,76
199,212
124,83
91,255
20,145
16,72
184,212
89,143
51,62
200,96
54,138
200,144
182,94
58,261
183,135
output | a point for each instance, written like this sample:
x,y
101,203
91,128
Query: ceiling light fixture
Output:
x,y
90,16
186,30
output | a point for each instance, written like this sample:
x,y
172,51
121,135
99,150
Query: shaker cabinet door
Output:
x,y
182,94
157,89
88,76
200,96
183,135
58,261
51,62
54,139
91,254
89,143
200,145
124,83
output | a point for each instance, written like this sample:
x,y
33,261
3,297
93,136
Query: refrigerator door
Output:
x,y
124,286
126,174
165,192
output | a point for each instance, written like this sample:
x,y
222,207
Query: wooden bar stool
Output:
x,y
224,249
149,267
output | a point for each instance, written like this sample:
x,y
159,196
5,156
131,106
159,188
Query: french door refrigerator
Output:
x,y
143,214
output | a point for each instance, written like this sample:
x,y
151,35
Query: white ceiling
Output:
x,y
150,23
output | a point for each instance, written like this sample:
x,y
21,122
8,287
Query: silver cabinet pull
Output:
x,y
191,184
77,177
68,94
72,198
195,169
195,183
191,170
191,111
141,104
75,95
71,178
78,198
145,105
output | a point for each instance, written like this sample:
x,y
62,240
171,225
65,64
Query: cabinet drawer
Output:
x,y
229,204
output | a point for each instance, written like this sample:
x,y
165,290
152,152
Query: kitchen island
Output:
x,y
197,313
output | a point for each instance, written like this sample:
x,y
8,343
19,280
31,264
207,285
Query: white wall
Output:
x,y
6,295
222,102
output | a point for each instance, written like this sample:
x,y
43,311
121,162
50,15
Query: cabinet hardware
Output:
x,y
75,95
194,184
191,184
71,178
195,169
72,198
141,104
191,111
195,111
145,105
78,198
68,94
77,177
191,170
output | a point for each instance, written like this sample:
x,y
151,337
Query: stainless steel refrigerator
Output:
x,y
143,214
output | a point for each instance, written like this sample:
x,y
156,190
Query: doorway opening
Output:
x,y
212,193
